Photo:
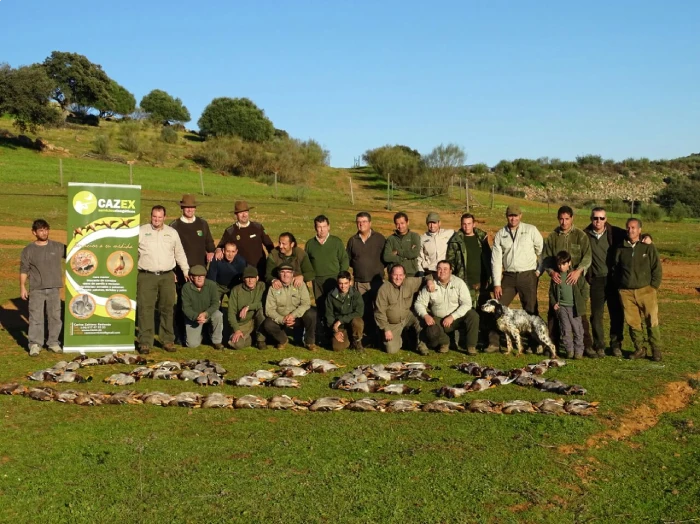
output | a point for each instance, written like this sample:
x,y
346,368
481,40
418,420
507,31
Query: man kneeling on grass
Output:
x,y
245,311
289,309
450,305
200,305
344,310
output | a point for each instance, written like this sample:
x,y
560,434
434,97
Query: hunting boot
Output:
x,y
655,342
637,337
616,349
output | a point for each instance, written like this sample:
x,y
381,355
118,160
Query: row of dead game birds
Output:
x,y
283,402
372,378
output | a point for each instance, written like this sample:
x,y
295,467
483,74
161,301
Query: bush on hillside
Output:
x,y
102,145
168,135
685,191
680,212
130,137
651,213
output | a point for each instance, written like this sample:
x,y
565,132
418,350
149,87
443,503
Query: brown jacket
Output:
x,y
393,303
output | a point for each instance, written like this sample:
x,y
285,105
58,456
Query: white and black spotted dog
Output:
x,y
514,322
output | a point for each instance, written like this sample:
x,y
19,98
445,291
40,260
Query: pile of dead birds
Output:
x,y
376,378
286,376
530,375
202,372
283,402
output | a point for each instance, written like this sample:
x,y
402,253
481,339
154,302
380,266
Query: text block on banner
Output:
x,y
101,267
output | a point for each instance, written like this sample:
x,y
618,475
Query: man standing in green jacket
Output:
x,y
200,305
328,258
402,247
638,271
344,311
573,240
470,255
245,311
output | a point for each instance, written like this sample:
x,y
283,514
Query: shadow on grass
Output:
x,y
193,138
368,179
14,318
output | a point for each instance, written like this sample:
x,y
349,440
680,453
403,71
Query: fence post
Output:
x,y
388,192
492,190
466,191
60,170
275,184
201,180
632,207
131,174
352,195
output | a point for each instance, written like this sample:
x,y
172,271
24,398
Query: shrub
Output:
x,y
159,152
101,145
680,211
130,137
651,213
168,135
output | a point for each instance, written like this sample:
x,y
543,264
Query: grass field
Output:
x,y
636,461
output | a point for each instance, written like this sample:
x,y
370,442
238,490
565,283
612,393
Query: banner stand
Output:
x,y
101,267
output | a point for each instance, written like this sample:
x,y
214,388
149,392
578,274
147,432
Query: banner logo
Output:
x,y
84,202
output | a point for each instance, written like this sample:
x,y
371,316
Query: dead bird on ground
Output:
x,y
167,365
451,392
264,374
318,365
157,398
142,372
71,376
468,367
89,362
247,382
329,404
442,406
291,362
284,382
551,407
42,394
517,406
479,384
250,402
217,400
483,405
366,404
67,396
125,397
293,371
581,407
417,374
403,406
120,379
187,399
210,379
398,389
13,389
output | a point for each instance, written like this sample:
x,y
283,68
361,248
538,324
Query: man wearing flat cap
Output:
x,y
514,259
249,236
289,309
198,244
245,311
200,305
433,244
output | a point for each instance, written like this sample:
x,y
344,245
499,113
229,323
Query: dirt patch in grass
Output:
x,y
676,396
25,233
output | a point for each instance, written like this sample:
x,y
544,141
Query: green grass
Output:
x,y
63,463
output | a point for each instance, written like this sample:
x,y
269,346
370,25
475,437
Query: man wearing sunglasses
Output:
x,y
604,239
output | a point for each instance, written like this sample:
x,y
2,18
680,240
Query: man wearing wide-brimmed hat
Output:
x,y
249,236
198,244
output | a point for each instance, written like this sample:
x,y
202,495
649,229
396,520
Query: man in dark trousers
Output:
x,y
604,239
198,244
365,250
249,236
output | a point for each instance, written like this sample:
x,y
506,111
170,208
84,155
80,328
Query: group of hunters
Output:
x,y
436,284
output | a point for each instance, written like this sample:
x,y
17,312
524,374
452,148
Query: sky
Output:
x,y
502,79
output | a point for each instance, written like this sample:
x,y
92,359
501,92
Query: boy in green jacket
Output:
x,y
344,311
569,303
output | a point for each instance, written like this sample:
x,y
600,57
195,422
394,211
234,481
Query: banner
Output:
x,y
101,267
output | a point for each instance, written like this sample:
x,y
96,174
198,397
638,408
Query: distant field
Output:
x,y
637,460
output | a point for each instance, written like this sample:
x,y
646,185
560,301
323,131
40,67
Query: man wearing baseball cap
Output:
x,y
514,259
249,236
433,244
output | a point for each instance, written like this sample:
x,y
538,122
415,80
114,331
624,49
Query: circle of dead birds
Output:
x,y
371,378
